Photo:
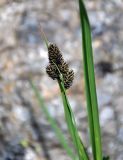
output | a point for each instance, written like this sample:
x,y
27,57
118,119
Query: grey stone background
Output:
x,y
23,54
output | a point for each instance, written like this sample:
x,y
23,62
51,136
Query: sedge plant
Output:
x,y
59,70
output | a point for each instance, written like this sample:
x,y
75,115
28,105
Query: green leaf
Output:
x,y
53,124
92,106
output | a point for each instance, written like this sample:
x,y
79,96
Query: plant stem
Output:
x,y
72,125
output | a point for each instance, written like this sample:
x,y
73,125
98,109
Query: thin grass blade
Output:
x,y
53,124
92,105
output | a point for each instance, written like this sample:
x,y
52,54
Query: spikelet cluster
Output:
x,y
55,57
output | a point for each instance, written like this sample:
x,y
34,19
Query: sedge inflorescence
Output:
x,y
56,64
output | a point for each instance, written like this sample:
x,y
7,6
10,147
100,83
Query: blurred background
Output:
x,y
25,133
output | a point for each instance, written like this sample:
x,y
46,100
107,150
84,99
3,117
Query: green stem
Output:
x,y
72,125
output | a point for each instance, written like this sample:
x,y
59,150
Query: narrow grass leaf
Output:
x,y
53,124
93,114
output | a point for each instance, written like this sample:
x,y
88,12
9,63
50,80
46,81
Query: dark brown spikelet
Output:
x,y
57,65
55,54
52,72
64,68
68,79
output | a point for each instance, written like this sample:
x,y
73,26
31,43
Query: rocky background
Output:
x,y
25,133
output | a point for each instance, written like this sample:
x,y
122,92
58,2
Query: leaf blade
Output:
x,y
90,86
